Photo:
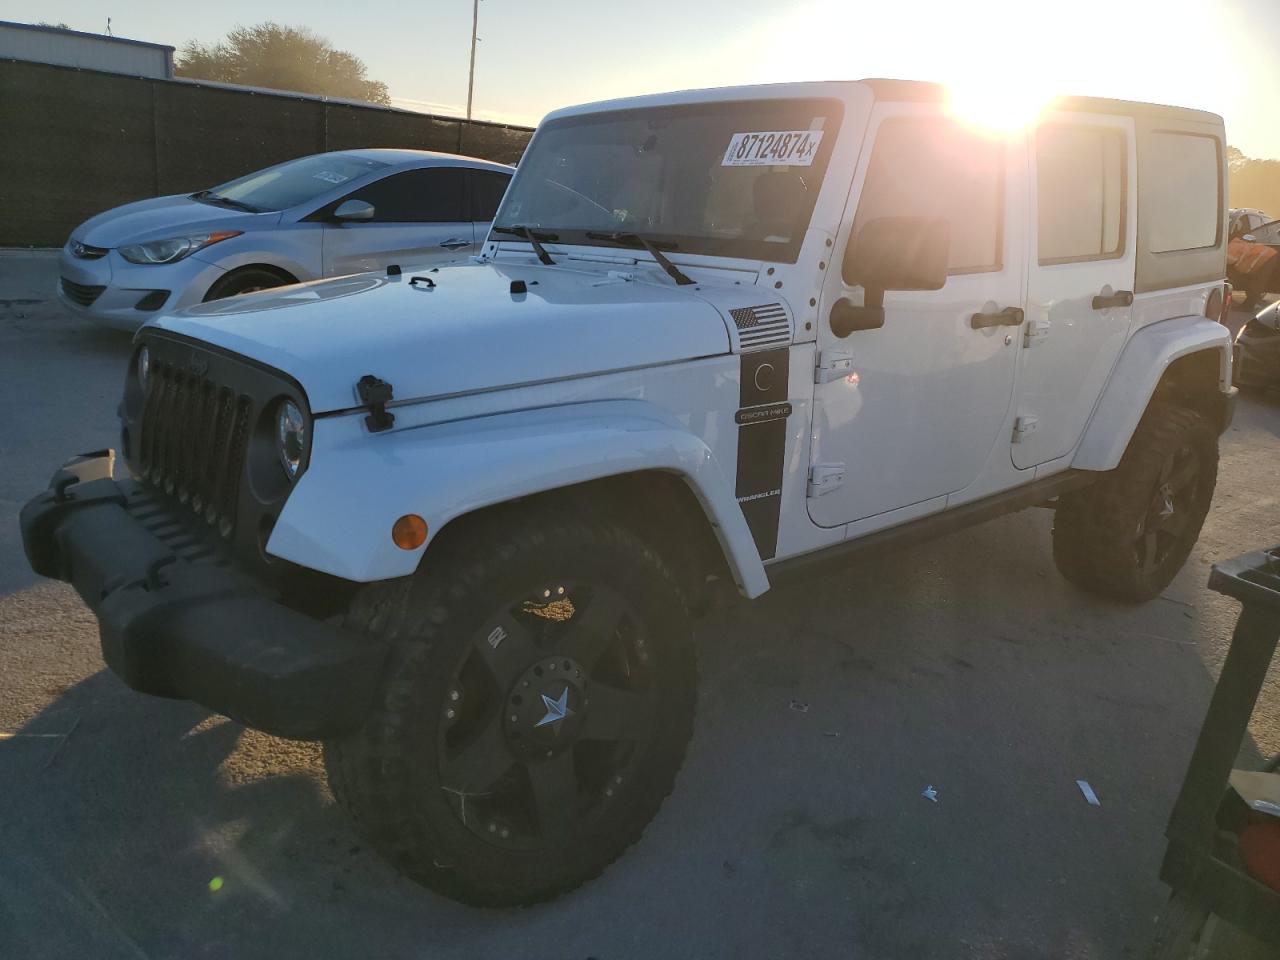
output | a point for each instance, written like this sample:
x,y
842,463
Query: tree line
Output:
x,y
1252,182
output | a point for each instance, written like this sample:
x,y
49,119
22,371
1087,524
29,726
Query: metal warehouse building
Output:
x,y
88,51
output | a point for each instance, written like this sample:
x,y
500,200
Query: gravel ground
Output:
x,y
137,827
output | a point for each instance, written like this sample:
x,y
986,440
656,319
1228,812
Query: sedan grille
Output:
x,y
81,293
194,437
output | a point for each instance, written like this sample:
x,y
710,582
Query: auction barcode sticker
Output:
x,y
790,148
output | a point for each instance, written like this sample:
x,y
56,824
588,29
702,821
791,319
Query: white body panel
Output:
x,y
1146,356
556,447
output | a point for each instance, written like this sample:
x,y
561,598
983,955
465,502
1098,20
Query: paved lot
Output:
x,y
967,664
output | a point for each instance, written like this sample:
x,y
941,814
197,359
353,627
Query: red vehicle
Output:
x,y
1253,255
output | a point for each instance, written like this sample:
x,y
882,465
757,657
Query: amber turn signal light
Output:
x,y
409,532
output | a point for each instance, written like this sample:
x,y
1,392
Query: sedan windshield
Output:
x,y
291,183
724,179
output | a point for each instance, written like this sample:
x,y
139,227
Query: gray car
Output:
x,y
318,216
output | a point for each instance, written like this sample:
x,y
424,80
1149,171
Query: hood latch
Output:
x,y
376,394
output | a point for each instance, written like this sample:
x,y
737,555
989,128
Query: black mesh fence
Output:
x,y
76,142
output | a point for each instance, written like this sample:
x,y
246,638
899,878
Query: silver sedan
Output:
x,y
319,216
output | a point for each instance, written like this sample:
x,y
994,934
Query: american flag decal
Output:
x,y
761,326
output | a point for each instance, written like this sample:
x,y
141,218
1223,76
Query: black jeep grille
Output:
x,y
81,293
194,436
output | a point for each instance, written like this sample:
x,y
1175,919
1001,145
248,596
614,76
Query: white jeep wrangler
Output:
x,y
455,522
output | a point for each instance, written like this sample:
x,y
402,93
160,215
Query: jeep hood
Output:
x,y
458,330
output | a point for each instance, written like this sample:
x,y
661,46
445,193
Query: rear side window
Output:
x,y
933,168
1183,192
431,195
487,188
1080,178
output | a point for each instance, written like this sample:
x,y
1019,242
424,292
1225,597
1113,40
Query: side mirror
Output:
x,y
354,210
891,253
1250,238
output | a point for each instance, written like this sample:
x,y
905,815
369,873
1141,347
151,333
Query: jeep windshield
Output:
x,y
730,179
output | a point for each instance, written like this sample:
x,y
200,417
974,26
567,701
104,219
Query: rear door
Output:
x,y
420,216
1080,279
487,188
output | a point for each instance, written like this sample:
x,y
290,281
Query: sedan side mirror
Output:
x,y
891,253
1250,238
354,210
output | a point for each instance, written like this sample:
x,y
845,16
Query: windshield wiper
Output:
x,y
634,239
208,196
533,237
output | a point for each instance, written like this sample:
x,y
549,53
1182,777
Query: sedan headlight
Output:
x,y
291,436
175,248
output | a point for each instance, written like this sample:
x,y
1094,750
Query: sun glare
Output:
x,y
996,111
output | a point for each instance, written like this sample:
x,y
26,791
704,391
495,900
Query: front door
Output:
x,y
1080,280
917,409
420,217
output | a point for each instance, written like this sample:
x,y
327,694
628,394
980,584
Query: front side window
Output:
x,y
431,195
1080,173
935,168
297,181
724,179
1182,197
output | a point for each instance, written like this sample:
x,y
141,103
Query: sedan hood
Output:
x,y
158,219
458,329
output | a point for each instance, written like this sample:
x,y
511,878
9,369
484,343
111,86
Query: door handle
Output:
x,y
1121,298
453,243
1008,317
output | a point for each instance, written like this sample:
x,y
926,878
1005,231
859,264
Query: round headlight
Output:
x,y
291,436
144,369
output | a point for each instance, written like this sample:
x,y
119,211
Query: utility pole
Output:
x,y
471,76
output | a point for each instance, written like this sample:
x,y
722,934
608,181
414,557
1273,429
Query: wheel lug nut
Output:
x,y
514,718
560,590
493,828
505,833
454,695
617,779
450,713
608,791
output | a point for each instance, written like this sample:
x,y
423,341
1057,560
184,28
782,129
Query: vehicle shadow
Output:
x,y
798,826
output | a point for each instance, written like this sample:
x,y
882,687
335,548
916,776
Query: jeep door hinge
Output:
x,y
1024,426
832,365
825,477
1036,331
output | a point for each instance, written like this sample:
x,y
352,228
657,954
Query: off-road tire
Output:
x,y
247,280
1096,531
387,776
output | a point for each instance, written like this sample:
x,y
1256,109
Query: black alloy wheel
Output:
x,y
545,715
1164,526
535,709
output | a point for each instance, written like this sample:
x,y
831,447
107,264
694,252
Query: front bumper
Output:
x,y
124,285
176,621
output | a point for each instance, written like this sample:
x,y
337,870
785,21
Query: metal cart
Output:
x,y
1202,865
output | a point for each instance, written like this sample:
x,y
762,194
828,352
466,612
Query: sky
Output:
x,y
536,55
